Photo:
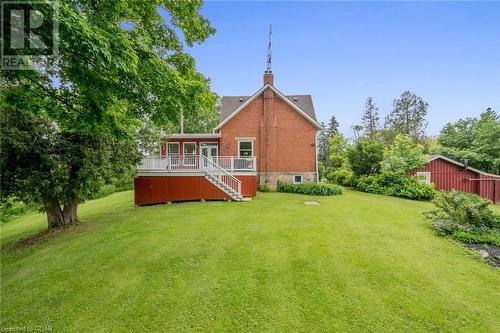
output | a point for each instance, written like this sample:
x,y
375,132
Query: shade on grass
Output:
x,y
356,262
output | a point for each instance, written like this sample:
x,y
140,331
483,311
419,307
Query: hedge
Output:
x,y
396,186
309,189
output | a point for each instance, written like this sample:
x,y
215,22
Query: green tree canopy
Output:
x,y
365,157
477,140
337,147
119,64
403,155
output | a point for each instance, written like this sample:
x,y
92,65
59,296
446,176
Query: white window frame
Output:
x,y
189,160
245,140
426,176
173,158
209,144
176,144
301,179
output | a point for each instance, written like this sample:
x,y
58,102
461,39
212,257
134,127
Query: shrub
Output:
x,y
476,237
309,189
406,187
369,184
365,157
123,183
342,176
395,185
12,207
458,212
264,188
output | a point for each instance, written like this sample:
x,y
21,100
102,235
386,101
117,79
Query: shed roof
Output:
x,y
433,157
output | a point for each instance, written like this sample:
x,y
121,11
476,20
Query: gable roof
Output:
x,y
231,105
433,157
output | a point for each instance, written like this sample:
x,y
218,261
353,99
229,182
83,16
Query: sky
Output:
x,y
448,53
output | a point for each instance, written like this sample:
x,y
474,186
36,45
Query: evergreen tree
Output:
x,y
333,127
357,130
323,145
407,117
370,119
323,139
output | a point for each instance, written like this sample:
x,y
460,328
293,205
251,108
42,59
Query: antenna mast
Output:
x,y
268,68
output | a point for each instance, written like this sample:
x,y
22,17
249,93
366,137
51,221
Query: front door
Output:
x,y
210,151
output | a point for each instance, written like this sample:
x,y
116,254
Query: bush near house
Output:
x,y
395,185
264,188
342,176
309,189
466,217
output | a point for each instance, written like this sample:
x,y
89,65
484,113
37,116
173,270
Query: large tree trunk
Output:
x,y
60,218
70,212
55,216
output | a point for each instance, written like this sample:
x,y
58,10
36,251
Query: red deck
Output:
x,y
160,189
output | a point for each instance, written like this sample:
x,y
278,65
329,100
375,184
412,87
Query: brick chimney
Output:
x,y
268,78
268,133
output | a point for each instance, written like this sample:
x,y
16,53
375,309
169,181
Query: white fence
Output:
x,y
196,162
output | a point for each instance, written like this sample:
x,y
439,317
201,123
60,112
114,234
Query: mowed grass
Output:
x,y
358,262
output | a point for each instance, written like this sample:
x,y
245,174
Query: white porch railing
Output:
x,y
233,163
222,175
196,163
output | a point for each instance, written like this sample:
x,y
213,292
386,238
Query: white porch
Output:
x,y
196,163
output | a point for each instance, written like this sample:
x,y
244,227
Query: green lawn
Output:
x,y
358,262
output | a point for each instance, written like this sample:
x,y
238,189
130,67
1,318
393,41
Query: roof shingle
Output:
x,y
229,104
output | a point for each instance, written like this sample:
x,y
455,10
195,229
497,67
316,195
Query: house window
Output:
x,y
189,153
425,177
245,148
297,179
173,148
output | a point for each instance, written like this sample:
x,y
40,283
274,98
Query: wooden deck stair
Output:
x,y
222,179
224,187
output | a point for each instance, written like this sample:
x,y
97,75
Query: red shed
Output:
x,y
447,174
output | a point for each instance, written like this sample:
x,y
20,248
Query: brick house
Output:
x,y
260,139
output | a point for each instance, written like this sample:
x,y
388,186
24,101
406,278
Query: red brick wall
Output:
x,y
244,124
284,139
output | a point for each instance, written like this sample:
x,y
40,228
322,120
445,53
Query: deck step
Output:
x,y
214,180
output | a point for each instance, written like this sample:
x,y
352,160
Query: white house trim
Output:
x,y
316,156
193,136
245,140
280,95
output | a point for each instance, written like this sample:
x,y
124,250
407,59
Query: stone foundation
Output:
x,y
272,177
